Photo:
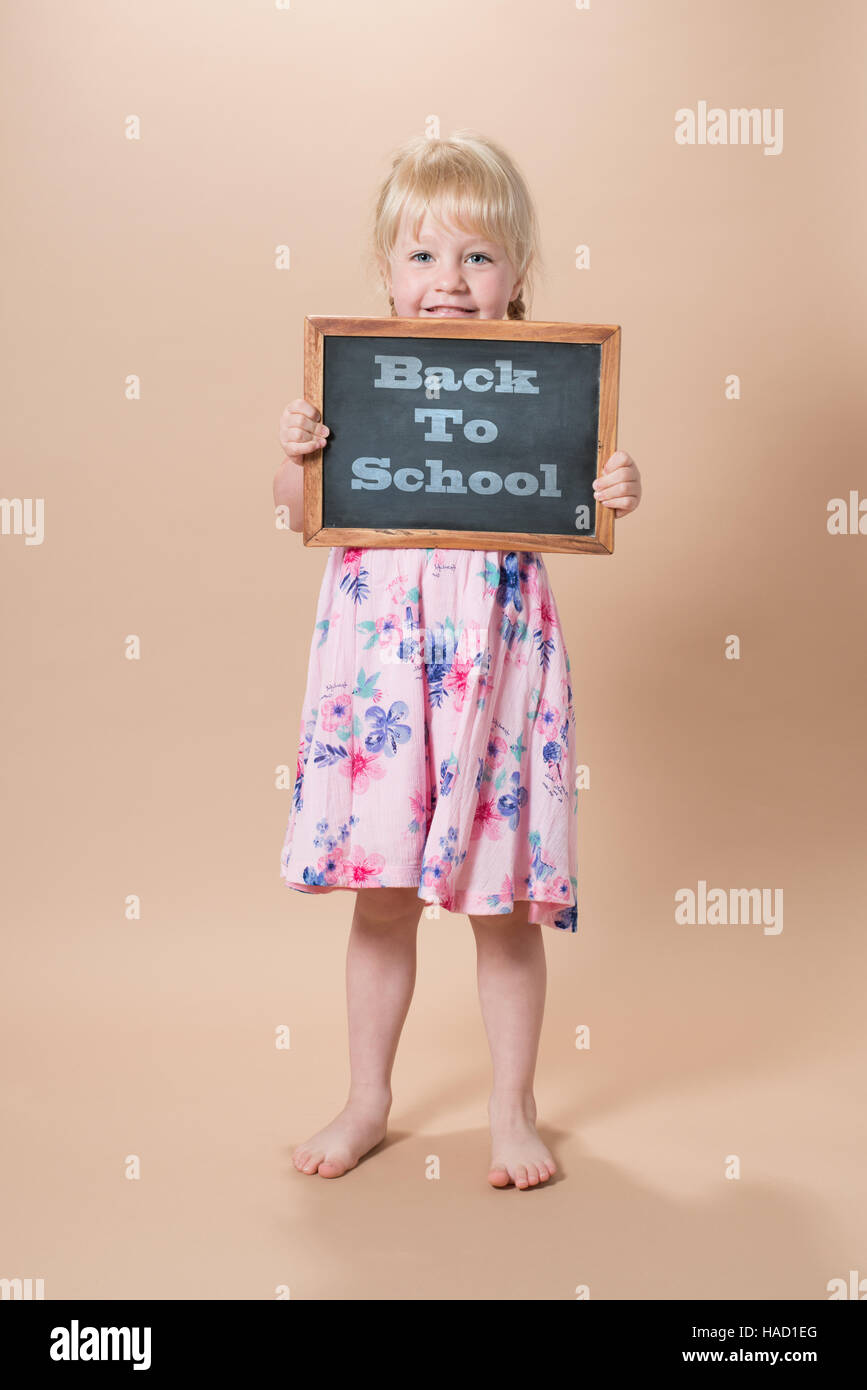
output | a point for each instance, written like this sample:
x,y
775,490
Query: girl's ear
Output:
x,y
385,277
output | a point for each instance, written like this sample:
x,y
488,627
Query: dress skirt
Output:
x,y
436,747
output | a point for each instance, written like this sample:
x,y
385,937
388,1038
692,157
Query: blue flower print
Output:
x,y
435,675
508,590
567,920
387,731
440,645
544,646
327,754
355,585
538,866
449,847
313,876
446,777
409,644
552,753
322,840
508,631
510,803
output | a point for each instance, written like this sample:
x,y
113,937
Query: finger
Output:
x,y
302,407
303,427
627,486
618,475
299,452
301,424
311,447
292,439
302,431
618,459
620,496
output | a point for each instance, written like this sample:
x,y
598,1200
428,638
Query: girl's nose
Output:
x,y
451,280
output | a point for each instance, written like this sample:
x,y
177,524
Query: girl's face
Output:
x,y
449,273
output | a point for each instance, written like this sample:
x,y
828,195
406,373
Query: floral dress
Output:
x,y
436,746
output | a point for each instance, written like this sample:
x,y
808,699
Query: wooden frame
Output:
x,y
318,327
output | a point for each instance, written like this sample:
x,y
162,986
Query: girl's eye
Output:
x,y
472,253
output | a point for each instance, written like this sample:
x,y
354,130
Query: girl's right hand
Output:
x,y
301,431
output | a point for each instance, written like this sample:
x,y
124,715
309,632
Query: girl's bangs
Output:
x,y
467,208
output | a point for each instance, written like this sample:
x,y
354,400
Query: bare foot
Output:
x,y
359,1127
518,1155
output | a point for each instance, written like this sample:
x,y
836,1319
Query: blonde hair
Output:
x,y
476,185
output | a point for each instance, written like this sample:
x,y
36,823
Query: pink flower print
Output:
x,y
547,617
487,820
505,895
456,681
397,588
361,766
562,889
497,750
360,868
486,686
435,872
352,557
418,807
336,712
547,720
330,866
418,822
389,632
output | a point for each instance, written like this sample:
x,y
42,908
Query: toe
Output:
x,y
521,1179
498,1177
333,1168
532,1175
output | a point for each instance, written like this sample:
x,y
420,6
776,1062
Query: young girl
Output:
x,y
436,759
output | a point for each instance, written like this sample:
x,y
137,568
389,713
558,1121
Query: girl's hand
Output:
x,y
300,434
300,430
619,484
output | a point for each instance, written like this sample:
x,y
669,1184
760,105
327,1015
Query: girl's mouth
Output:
x,y
447,309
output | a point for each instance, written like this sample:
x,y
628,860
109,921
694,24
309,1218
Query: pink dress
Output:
x,y
437,739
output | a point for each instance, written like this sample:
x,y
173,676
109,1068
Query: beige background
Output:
x,y
264,126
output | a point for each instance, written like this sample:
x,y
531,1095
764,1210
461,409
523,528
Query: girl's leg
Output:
x,y
512,977
380,977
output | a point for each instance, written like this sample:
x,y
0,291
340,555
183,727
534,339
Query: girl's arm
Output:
x,y
301,432
289,492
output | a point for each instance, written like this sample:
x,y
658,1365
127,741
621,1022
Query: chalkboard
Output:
x,y
460,434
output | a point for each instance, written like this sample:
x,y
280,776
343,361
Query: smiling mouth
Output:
x,y
447,309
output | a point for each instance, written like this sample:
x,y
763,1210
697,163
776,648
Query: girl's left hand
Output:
x,y
619,484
